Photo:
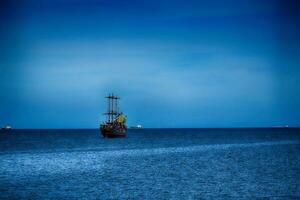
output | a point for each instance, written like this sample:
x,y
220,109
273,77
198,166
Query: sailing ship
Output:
x,y
115,125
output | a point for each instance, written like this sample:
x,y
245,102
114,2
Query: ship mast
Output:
x,y
113,110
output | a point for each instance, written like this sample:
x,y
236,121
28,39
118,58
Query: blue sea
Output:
x,y
151,164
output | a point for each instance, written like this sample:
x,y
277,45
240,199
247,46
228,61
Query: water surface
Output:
x,y
151,164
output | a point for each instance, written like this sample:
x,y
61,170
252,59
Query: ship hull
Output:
x,y
112,131
113,135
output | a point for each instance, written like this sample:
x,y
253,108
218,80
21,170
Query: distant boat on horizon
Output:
x,y
6,128
137,127
285,126
115,125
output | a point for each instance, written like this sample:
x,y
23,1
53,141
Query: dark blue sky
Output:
x,y
188,63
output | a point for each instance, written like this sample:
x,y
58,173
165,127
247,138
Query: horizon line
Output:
x,y
254,127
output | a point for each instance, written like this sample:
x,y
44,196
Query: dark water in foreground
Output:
x,y
151,164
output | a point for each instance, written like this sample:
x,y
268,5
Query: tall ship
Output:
x,y
115,124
